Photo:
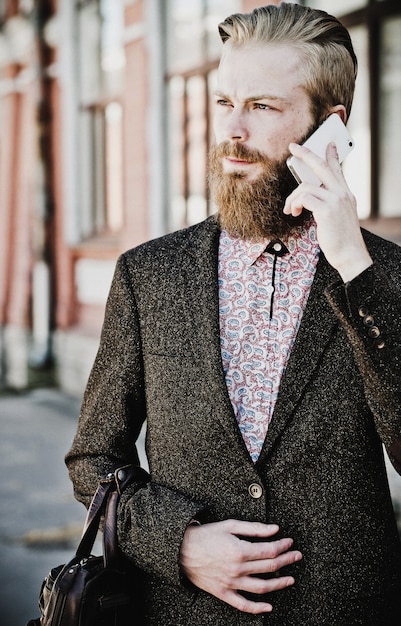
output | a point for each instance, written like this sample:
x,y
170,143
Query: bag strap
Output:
x,y
105,501
110,551
93,517
123,477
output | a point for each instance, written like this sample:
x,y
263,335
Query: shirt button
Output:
x,y
363,311
374,332
380,344
255,491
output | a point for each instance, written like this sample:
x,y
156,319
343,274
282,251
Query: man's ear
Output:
x,y
341,111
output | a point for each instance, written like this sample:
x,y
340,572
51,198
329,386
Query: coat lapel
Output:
x,y
202,311
316,328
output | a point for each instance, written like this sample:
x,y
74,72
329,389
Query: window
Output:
x,y
375,27
113,143
193,50
357,166
100,70
337,7
192,37
389,117
25,6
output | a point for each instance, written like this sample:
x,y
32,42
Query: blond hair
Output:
x,y
329,65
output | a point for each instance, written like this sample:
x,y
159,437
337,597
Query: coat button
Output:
x,y
374,332
255,491
363,311
369,320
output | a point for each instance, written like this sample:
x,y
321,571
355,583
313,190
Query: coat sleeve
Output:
x,y
152,518
369,308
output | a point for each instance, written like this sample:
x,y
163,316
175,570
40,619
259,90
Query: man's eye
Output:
x,y
222,102
261,106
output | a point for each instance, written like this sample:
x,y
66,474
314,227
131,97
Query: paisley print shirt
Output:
x,y
256,332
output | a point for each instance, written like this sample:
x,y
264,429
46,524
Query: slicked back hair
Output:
x,y
329,66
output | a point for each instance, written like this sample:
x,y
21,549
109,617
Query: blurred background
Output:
x,y
105,124
104,131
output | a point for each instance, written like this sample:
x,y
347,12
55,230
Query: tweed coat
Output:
x,y
321,468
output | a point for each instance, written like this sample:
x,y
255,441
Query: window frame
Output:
x,y
372,16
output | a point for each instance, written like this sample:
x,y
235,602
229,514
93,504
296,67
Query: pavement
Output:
x,y
40,522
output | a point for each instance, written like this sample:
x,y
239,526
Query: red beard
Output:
x,y
252,209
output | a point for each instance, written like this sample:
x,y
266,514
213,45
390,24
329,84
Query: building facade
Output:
x,y
105,126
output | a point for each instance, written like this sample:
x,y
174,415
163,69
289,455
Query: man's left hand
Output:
x,y
334,209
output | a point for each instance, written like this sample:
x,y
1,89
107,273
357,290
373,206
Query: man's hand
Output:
x,y
216,558
334,209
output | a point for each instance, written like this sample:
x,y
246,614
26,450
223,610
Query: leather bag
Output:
x,y
96,590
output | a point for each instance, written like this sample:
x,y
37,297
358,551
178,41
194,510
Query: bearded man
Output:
x,y
263,349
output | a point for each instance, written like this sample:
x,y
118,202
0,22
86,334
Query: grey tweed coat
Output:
x,y
321,470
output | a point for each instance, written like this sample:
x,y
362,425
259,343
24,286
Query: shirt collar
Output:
x,y
251,250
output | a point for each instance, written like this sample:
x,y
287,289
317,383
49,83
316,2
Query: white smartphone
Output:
x,y
332,129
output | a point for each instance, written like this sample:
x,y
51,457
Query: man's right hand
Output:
x,y
217,559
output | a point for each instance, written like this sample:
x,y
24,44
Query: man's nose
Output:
x,y
237,127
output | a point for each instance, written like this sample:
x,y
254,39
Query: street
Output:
x,y
40,521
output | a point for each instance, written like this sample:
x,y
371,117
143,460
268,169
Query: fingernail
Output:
x,y
333,146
